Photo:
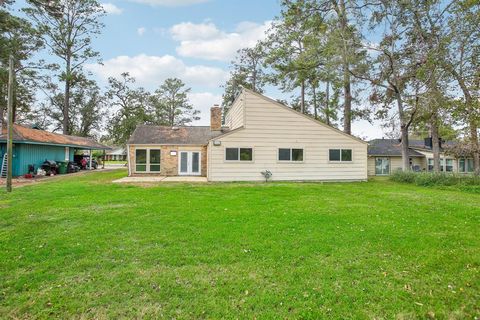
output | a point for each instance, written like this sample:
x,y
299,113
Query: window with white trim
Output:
x,y
147,160
465,165
340,155
238,154
290,154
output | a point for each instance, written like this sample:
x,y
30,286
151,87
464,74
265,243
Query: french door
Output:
x,y
382,166
189,163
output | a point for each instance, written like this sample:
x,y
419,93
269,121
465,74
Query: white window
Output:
x,y
238,154
67,153
340,155
465,165
147,160
290,154
449,165
445,165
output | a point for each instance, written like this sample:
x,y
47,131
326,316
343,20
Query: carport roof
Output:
x,y
23,134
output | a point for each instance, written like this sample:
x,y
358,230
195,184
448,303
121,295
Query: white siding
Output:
x,y
235,117
268,127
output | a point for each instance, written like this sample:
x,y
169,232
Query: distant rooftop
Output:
x,y
393,147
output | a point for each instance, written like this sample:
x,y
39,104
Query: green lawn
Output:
x,y
82,247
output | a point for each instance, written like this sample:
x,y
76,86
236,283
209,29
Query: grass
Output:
x,y
85,248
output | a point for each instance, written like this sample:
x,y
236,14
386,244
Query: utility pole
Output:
x,y
10,124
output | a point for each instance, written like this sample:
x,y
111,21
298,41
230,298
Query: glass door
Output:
x,y
189,163
382,166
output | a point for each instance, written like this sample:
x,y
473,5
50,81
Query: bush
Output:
x,y
403,176
428,179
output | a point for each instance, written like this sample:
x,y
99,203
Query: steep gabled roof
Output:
x,y
198,135
23,134
275,102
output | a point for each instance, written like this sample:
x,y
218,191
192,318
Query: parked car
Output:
x,y
84,161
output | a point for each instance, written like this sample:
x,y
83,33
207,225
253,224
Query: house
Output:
x,y
116,154
259,134
385,156
32,146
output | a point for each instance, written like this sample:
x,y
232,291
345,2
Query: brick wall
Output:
x,y
168,163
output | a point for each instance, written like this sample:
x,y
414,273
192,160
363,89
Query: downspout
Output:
x,y
128,160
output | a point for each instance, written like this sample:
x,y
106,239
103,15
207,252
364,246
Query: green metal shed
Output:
x,y
33,146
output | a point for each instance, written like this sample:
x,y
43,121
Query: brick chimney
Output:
x,y
216,118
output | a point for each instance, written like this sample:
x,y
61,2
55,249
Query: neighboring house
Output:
x,y
259,134
33,146
385,156
116,154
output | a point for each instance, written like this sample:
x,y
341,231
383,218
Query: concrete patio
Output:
x,y
155,179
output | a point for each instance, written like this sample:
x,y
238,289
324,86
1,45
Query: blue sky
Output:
x,y
193,40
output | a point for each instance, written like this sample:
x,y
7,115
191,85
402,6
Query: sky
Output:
x,y
194,40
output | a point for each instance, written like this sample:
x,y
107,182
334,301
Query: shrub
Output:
x,y
403,176
428,179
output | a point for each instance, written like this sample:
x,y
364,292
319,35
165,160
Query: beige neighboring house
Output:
x,y
385,157
116,154
259,134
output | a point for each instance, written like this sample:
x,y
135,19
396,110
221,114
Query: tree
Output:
x,y
394,67
131,107
290,53
171,105
67,27
89,109
449,30
18,38
247,71
462,61
343,18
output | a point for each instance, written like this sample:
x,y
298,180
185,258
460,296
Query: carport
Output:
x,y
32,146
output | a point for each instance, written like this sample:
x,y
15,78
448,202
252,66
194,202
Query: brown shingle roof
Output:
x,y
146,134
25,135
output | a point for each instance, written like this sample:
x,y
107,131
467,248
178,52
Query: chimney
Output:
x,y
215,118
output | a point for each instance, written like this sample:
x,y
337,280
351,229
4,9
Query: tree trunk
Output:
x,y
435,142
66,104
347,109
327,103
315,102
471,115
302,97
347,91
404,132
475,146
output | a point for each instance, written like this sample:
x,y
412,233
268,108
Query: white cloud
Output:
x,y
151,71
203,101
170,3
141,31
188,31
206,41
110,8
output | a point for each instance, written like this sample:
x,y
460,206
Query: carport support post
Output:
x,y
10,125
103,160
90,159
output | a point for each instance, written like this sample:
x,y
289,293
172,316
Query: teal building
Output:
x,y
33,146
